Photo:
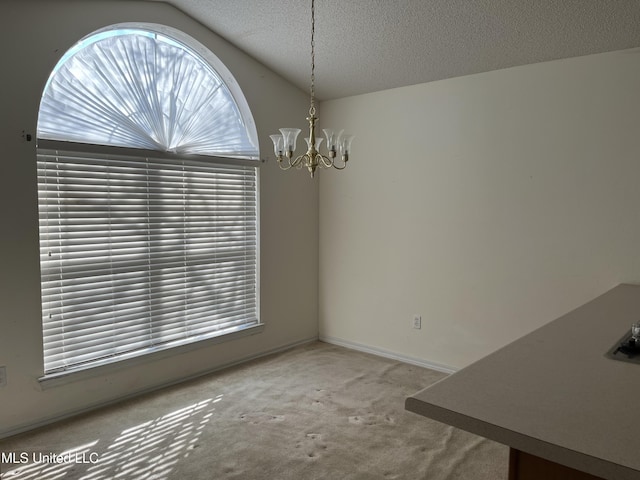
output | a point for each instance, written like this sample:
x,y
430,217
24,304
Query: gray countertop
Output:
x,y
554,393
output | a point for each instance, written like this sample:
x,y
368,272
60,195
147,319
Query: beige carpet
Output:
x,y
314,412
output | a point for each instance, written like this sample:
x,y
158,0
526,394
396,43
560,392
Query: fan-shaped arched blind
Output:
x,y
143,248
138,88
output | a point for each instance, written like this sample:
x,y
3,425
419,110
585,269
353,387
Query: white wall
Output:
x,y
34,35
489,204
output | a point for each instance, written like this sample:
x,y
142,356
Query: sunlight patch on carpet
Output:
x,y
149,450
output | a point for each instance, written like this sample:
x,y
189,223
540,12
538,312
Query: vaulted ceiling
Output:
x,y
370,45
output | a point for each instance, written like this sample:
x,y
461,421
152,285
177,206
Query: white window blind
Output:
x,y
140,253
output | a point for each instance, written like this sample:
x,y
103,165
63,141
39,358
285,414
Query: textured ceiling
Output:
x,y
369,45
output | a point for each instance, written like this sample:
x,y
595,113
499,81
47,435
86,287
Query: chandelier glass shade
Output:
x,y
338,144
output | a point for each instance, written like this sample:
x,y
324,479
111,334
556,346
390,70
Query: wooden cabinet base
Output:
x,y
523,466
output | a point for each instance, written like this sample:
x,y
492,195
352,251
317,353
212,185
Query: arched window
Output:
x,y
147,181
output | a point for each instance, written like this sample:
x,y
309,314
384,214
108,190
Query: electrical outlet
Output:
x,y
417,322
3,376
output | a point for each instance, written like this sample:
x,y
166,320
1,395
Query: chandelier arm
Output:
x,y
286,161
283,165
298,161
335,165
325,161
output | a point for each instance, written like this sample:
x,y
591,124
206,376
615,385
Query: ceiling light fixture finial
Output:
x,y
284,144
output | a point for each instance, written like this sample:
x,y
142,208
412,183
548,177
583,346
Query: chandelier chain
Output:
x,y
312,110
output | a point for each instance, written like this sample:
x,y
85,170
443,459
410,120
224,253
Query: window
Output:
x,y
148,199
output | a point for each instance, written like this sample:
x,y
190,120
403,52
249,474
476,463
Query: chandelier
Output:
x,y
284,143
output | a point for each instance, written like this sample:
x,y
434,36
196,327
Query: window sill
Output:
x,y
107,367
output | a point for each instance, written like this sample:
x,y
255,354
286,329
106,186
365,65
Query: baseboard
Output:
x,y
388,354
48,421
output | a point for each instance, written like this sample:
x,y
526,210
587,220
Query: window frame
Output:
x,y
99,367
